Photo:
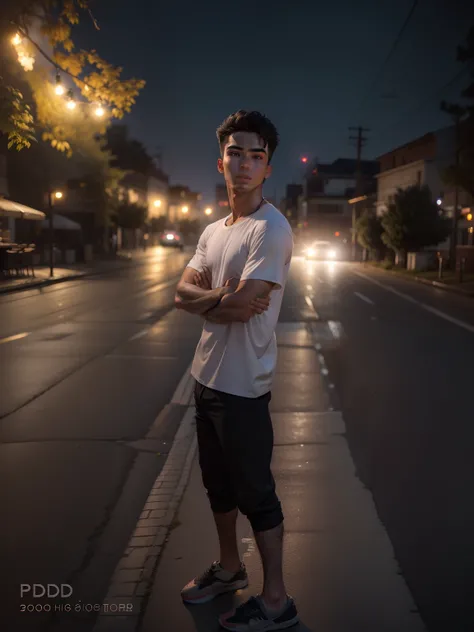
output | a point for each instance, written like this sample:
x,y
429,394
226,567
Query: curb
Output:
x,y
445,286
37,284
132,582
72,277
436,284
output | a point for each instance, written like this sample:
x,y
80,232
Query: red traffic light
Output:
x,y
304,159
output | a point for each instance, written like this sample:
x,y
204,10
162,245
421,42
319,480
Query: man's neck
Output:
x,y
245,204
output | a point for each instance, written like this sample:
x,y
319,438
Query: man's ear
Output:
x,y
268,172
220,165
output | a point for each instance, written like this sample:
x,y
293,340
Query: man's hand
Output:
x,y
260,305
257,305
203,279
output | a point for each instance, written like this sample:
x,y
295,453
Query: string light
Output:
x,y
26,61
59,88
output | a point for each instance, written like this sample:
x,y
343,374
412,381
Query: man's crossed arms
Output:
x,y
236,301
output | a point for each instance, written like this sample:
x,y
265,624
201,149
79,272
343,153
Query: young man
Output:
x,y
235,281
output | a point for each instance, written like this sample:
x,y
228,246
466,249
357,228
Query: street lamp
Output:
x,y
185,210
157,203
99,111
52,195
208,211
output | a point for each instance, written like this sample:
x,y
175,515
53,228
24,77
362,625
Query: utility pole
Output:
x,y
51,231
454,224
360,141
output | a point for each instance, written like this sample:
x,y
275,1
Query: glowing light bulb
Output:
x,y
16,39
71,105
99,111
59,89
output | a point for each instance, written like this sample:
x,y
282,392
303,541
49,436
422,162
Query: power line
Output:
x,y
390,53
424,101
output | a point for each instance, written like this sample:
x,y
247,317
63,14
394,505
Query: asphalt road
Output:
x,y
404,380
80,387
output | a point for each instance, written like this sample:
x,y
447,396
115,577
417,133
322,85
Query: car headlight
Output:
x,y
332,254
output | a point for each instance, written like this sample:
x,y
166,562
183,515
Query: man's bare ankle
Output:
x,y
275,602
231,566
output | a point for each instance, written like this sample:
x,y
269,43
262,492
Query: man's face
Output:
x,y
244,162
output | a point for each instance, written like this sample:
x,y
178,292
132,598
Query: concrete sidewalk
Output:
x,y
339,562
63,272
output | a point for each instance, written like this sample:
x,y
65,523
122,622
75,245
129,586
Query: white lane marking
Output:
x,y
12,338
309,302
364,298
184,390
336,329
162,286
140,334
120,356
428,308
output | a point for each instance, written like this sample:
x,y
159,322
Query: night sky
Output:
x,y
310,68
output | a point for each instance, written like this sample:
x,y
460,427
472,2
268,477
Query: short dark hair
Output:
x,y
254,122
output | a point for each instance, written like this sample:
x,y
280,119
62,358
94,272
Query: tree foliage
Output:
x,y
127,153
132,216
369,233
462,175
39,37
413,221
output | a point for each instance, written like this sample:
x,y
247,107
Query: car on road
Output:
x,y
323,251
171,239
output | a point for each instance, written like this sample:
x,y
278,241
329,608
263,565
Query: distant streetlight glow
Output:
x,y
469,217
439,201
58,195
208,211
304,159
99,111
185,209
71,105
59,89
157,203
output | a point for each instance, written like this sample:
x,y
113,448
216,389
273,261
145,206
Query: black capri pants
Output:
x,y
235,439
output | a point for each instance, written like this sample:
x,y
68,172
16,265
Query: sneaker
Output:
x,y
253,616
214,582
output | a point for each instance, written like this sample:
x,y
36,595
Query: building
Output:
x,y
222,201
324,208
423,162
289,205
183,204
420,162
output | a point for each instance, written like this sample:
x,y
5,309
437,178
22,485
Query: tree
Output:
x,y
413,221
369,233
36,36
131,216
127,153
462,173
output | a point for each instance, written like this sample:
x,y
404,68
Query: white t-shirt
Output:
x,y
240,358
